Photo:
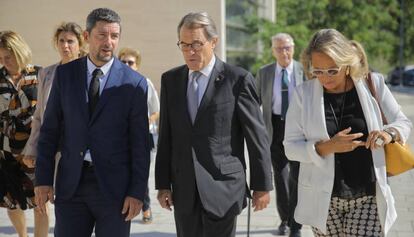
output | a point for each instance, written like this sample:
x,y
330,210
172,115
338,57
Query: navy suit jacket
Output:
x,y
116,133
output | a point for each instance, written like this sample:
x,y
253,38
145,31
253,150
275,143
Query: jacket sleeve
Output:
x,y
163,159
392,110
49,135
31,145
298,146
139,145
255,133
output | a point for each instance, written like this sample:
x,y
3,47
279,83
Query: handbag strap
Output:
x,y
371,87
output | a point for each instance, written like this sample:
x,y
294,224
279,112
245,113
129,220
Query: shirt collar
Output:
x,y
289,68
105,68
206,71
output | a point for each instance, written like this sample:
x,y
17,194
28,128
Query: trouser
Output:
x,y
147,201
89,209
352,217
285,174
198,222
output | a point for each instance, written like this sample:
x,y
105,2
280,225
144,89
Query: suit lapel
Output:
x,y
113,81
81,81
182,86
215,80
270,81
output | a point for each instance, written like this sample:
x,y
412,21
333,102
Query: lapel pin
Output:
x,y
219,78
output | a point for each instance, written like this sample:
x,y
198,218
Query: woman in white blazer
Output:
x,y
69,42
334,129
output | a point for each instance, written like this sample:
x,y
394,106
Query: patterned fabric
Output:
x,y
17,105
352,218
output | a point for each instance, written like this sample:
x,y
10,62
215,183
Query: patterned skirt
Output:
x,y
16,183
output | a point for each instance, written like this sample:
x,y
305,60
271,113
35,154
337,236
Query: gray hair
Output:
x,y
101,14
194,20
282,36
342,51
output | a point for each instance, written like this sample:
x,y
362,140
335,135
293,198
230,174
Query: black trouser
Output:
x,y
197,222
147,201
285,174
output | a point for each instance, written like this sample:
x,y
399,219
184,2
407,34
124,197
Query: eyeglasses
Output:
x,y
129,62
283,49
329,72
196,46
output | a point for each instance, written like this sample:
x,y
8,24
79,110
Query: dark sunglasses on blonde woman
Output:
x,y
129,62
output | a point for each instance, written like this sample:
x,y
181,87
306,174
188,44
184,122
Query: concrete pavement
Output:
x,y
264,223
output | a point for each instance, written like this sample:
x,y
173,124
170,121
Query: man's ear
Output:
x,y
86,35
214,42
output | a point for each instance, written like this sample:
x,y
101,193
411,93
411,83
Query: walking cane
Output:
x,y
248,218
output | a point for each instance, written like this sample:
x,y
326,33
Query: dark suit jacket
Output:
x,y
264,82
116,133
228,113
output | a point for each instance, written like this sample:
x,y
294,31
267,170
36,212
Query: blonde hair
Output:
x,y
342,51
13,42
75,29
133,52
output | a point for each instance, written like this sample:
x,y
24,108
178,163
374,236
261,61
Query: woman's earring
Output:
x,y
347,71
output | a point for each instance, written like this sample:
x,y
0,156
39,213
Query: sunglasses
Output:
x,y
129,62
329,72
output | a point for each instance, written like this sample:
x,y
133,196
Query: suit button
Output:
x,y
81,153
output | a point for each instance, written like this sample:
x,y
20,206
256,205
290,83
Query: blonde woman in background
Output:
x,y
132,58
334,129
68,40
18,92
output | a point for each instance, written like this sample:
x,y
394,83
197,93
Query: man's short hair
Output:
x,y
282,36
101,14
194,20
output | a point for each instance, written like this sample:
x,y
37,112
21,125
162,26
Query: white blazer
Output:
x,y
305,125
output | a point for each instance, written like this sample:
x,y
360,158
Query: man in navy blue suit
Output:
x,y
96,117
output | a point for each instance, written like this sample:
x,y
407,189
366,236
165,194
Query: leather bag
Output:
x,y
398,157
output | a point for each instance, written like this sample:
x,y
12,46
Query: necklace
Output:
x,y
339,123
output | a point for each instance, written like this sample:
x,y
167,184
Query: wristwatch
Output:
x,y
392,133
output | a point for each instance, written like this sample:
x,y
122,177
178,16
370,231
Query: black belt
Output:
x,y
277,117
87,164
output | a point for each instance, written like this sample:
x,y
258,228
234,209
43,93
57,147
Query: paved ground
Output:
x,y
263,223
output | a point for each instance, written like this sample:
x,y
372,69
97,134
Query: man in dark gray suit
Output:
x,y
208,109
275,83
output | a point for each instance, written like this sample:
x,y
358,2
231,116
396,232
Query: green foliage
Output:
x,y
374,23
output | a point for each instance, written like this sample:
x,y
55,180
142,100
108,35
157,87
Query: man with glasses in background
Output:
x,y
275,84
208,109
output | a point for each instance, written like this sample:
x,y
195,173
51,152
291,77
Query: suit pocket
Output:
x,y
231,167
220,105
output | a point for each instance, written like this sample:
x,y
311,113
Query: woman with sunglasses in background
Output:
x,y
18,90
132,58
334,128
